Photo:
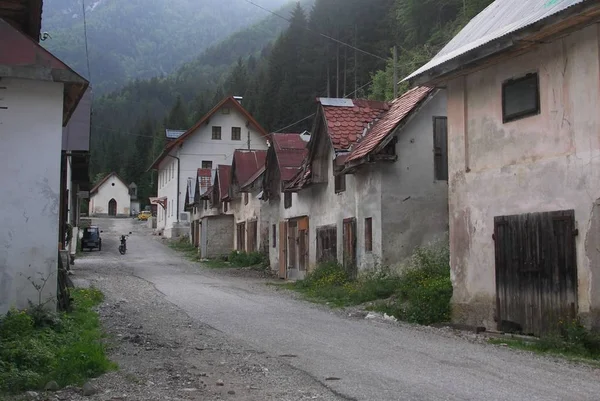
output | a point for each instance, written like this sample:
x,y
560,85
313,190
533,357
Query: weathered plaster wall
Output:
x,y
368,185
113,188
247,213
201,147
216,236
414,203
541,163
30,187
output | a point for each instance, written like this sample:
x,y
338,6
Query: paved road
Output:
x,y
373,361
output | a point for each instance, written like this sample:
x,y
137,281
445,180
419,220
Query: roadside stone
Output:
x,y
220,382
231,392
32,395
52,386
89,389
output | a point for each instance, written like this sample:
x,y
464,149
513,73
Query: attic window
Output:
x,y
207,164
520,98
287,200
225,110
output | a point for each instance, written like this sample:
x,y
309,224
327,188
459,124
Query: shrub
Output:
x,y
424,288
243,259
37,346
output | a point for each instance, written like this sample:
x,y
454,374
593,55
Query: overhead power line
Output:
x,y
318,33
87,53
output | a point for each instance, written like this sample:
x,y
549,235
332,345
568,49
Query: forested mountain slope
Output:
x,y
141,38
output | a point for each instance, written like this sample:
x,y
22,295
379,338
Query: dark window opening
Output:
x,y
274,235
369,234
205,205
216,133
245,198
440,148
287,200
207,164
236,134
340,183
520,98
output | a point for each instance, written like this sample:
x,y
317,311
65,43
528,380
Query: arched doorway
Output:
x,y
112,207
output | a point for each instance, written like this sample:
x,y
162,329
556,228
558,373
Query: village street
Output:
x,y
180,327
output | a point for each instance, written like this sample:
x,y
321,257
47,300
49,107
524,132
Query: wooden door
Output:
x,y
350,247
292,245
536,271
241,237
283,250
327,244
303,244
112,207
252,234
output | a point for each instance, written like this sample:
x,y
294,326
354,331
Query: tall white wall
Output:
x,y
200,147
30,184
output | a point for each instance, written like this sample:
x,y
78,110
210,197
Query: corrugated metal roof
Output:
x,y
499,19
291,151
246,163
401,108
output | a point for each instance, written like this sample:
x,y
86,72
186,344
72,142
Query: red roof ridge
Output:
x,y
102,181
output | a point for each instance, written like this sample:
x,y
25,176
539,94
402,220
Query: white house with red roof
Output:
x,y
38,96
111,196
209,143
372,187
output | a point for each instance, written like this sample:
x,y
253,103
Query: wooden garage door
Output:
x,y
536,270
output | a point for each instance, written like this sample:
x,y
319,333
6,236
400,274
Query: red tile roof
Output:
x,y
346,125
224,174
232,101
246,163
291,151
399,110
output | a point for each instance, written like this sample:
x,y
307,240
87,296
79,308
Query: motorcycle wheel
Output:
x,y
121,250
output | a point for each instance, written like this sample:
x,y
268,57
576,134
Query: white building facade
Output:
x,y
110,197
209,143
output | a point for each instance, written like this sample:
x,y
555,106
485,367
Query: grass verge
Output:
x,y
570,340
254,260
37,346
420,294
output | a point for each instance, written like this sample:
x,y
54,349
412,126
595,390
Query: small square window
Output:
x,y
225,110
236,134
340,183
207,164
216,133
520,98
287,200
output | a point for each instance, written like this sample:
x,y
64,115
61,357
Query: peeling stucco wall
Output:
x,y
31,186
541,163
414,203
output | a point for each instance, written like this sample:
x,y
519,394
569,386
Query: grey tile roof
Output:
x,y
499,19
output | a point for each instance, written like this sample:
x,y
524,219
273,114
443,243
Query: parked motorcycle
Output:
x,y
123,246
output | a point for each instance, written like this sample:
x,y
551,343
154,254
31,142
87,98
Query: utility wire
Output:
x,y
87,53
318,33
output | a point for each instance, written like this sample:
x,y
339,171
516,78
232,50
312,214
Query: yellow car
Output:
x,y
144,215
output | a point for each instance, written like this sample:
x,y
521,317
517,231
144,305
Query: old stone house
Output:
x,y
374,182
522,81
208,143
247,168
110,197
288,221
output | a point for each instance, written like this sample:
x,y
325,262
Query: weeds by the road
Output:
x,y
255,260
570,339
37,347
420,294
